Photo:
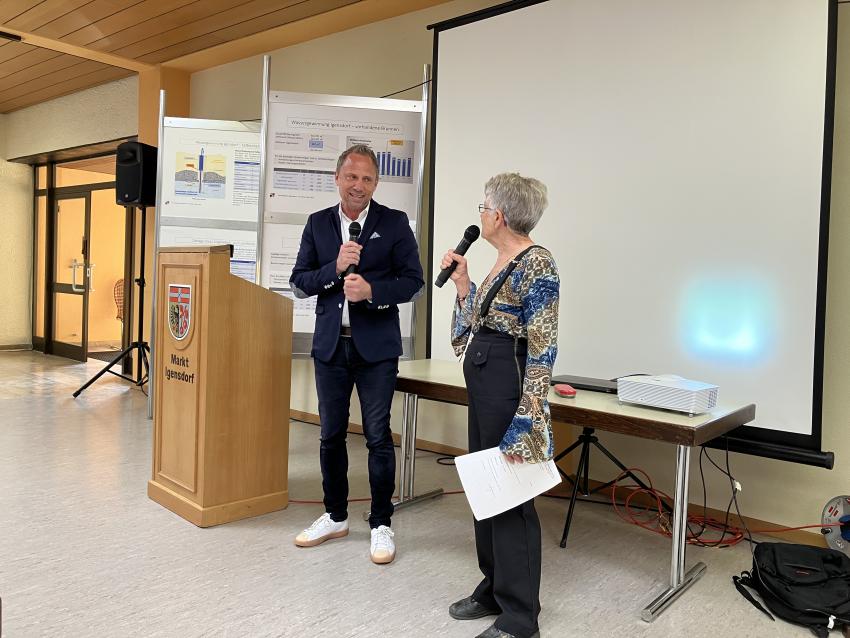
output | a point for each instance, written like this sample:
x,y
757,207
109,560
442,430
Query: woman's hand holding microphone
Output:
x,y
460,276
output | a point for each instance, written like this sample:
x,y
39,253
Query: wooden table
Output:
x,y
443,381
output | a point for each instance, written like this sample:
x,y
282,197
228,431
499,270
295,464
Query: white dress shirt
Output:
x,y
345,222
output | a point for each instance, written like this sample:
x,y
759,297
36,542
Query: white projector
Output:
x,y
669,392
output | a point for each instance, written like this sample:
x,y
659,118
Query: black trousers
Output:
x,y
508,544
375,386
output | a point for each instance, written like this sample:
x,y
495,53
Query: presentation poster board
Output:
x,y
305,136
210,188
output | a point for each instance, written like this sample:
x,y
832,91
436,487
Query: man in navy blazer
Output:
x,y
357,339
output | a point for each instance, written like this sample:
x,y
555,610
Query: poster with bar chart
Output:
x,y
395,163
305,136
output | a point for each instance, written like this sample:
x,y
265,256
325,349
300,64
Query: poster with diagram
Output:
x,y
201,175
210,187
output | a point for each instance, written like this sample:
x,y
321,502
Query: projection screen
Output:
x,y
686,147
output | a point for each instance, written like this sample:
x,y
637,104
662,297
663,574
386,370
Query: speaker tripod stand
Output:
x,y
139,347
585,440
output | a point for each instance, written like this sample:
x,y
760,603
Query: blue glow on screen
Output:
x,y
730,319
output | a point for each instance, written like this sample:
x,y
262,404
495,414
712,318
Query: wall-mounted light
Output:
x,y
10,36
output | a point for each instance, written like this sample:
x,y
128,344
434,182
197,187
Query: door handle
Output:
x,y
90,273
74,265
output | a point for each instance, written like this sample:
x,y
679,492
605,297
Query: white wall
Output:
x,y
376,59
16,225
102,113
372,60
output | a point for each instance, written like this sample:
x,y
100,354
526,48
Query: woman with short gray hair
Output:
x,y
522,200
513,320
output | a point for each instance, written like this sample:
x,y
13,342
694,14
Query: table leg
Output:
x,y
411,446
679,580
410,498
403,445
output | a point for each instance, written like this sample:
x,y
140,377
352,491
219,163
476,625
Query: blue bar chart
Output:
x,y
395,164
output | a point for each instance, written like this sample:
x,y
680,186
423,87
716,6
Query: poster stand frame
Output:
x,y
356,102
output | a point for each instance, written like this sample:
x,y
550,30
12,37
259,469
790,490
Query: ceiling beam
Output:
x,y
78,51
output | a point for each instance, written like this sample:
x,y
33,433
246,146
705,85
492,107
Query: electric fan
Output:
x,y
836,523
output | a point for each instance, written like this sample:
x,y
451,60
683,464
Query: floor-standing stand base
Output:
x,y
140,346
679,580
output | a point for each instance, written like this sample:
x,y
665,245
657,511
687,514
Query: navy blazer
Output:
x,y
389,261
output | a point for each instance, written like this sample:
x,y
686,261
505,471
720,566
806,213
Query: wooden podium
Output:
x,y
222,370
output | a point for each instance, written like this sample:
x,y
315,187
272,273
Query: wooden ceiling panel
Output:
x,y
43,12
90,13
73,68
185,47
11,50
20,67
22,62
247,19
57,67
11,9
207,26
141,31
71,45
126,22
108,74
262,22
298,11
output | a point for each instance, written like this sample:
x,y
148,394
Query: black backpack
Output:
x,y
809,586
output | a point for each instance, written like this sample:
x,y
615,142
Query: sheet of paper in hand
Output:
x,y
493,485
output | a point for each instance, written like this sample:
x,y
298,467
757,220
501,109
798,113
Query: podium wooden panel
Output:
x,y
223,354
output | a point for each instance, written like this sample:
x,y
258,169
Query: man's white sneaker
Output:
x,y
382,548
323,529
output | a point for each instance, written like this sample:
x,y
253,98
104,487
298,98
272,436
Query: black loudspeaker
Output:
x,y
135,174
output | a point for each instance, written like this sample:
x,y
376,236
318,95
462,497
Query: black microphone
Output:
x,y
469,236
353,233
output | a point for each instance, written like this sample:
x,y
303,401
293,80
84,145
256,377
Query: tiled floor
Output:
x,y
84,552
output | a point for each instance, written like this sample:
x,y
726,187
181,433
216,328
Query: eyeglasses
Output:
x,y
482,208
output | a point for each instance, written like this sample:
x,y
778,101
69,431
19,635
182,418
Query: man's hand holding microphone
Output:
x,y
349,257
355,287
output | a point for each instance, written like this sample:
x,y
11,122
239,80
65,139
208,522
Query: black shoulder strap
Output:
x,y
497,285
741,583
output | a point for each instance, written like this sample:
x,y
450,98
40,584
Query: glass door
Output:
x,y
106,284
71,277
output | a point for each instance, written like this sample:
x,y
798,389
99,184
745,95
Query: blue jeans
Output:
x,y
375,386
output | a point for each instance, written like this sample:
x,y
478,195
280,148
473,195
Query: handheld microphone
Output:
x,y
353,233
469,236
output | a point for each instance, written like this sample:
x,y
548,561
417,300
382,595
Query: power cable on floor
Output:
x,y
659,521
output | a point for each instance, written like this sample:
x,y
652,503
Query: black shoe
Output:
x,y
494,632
470,609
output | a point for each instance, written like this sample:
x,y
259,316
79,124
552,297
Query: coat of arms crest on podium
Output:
x,y
179,310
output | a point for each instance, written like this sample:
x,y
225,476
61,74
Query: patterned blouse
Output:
x,y
525,307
